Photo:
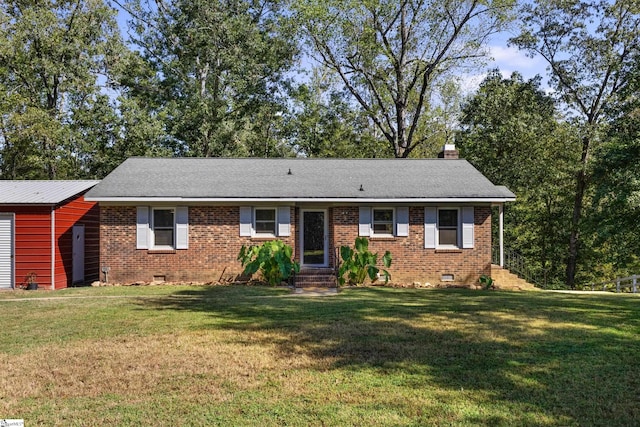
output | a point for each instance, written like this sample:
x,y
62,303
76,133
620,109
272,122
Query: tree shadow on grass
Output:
x,y
563,359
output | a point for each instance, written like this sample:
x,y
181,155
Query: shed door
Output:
x,y
6,251
78,254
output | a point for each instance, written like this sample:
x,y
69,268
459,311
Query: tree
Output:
x,y
52,53
110,135
506,129
590,48
218,68
616,205
323,122
442,120
510,131
389,55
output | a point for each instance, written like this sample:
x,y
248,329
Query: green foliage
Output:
x,y
217,72
486,282
511,133
52,54
591,49
442,120
390,55
615,212
360,263
325,123
508,128
274,259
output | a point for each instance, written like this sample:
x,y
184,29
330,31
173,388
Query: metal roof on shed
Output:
x,y
252,179
41,192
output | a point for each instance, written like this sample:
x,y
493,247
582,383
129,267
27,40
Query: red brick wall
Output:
x,y
214,243
411,261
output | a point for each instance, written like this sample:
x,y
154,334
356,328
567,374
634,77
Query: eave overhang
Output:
x,y
285,200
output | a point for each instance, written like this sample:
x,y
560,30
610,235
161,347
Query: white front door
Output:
x,y
78,254
314,237
6,251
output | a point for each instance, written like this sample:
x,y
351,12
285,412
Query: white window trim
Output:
x,y
458,244
254,217
152,229
393,221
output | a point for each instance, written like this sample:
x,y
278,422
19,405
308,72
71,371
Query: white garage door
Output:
x,y
6,251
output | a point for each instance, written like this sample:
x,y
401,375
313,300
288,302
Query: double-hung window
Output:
x,y
448,228
382,222
265,221
163,228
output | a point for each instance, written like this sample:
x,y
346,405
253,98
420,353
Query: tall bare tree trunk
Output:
x,y
574,239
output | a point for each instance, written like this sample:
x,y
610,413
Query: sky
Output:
x,y
508,59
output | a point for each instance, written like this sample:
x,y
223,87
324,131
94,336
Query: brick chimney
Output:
x,y
448,152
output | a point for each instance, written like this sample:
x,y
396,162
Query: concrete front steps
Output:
x,y
504,279
316,278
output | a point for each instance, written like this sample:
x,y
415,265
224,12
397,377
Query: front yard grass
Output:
x,y
242,355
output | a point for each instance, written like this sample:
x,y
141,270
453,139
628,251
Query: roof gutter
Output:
x,y
39,204
301,199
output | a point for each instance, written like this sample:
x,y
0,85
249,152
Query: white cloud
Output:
x,y
469,83
509,59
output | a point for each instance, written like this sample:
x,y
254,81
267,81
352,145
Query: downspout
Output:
x,y
501,235
53,248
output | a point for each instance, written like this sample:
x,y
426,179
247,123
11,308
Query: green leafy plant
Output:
x,y
274,259
486,282
359,263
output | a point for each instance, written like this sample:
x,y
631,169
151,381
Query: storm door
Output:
x,y
314,238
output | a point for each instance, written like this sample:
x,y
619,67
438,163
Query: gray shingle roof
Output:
x,y
41,192
217,179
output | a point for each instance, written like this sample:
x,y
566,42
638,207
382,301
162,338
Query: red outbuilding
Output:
x,y
49,234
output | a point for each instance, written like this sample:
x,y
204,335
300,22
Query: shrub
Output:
x,y
359,263
274,259
486,282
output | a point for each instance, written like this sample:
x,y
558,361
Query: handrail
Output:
x,y
517,264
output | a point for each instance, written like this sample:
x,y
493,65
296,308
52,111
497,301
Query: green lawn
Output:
x,y
259,356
